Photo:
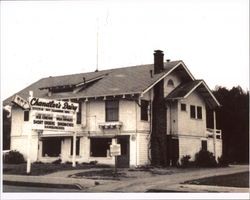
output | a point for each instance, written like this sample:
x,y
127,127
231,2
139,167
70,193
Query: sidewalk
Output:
x,y
170,182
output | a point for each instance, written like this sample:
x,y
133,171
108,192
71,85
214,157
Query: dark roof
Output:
x,y
127,80
184,90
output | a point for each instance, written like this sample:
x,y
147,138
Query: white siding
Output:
x,y
142,148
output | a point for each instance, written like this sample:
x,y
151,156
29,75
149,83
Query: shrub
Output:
x,y
93,162
185,161
205,158
58,161
223,162
38,162
13,157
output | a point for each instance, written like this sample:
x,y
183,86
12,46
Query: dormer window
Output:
x,y
170,83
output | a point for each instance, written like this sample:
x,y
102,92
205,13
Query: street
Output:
x,y
13,188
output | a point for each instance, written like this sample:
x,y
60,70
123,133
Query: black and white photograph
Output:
x,y
125,99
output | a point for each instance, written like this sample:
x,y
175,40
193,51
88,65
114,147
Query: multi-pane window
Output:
x,y
199,112
26,115
183,107
79,115
192,111
112,111
196,112
144,110
77,146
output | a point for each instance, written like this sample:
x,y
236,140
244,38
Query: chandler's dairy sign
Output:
x,y
53,115
53,104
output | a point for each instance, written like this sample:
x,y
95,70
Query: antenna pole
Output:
x,y
97,44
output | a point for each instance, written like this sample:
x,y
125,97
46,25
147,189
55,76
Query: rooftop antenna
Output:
x,y
97,44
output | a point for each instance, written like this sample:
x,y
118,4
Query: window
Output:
x,y
144,110
171,83
26,115
51,147
77,146
79,114
183,107
204,145
112,111
99,147
192,111
199,112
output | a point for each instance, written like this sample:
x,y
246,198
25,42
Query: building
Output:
x,y
133,105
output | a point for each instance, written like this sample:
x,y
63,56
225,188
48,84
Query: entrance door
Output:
x,y
123,159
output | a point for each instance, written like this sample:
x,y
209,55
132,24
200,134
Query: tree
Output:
x,y
233,119
6,130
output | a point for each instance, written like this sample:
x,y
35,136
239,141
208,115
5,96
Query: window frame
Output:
x,y
185,105
109,108
192,112
26,115
144,110
78,144
199,112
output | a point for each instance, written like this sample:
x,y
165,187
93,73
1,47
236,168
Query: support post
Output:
x,y
28,168
74,150
214,135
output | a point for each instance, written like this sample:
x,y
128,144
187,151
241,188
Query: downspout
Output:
x,y
136,134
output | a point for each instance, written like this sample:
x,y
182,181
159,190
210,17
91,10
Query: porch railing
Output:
x,y
210,133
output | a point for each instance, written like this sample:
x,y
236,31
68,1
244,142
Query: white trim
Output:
x,y
203,82
180,63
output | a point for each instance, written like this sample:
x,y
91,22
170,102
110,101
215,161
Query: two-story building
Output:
x,y
130,105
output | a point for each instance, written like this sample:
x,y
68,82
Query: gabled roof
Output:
x,y
184,90
119,81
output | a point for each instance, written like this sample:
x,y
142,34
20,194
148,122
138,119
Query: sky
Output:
x,y
51,38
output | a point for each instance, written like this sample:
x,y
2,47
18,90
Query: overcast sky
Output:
x,y
43,38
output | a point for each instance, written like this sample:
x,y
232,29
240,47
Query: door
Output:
x,y
123,159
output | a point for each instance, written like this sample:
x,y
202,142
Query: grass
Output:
x,y
106,174
231,180
45,168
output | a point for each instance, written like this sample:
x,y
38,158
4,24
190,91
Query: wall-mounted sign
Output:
x,y
115,149
20,102
53,104
53,115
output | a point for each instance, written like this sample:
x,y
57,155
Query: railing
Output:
x,y
110,125
210,133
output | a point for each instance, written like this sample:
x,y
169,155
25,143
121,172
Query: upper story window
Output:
x,y
112,111
196,112
192,111
183,107
199,112
79,114
144,110
26,115
170,83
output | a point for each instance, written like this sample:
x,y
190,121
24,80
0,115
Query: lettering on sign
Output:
x,y
115,149
53,115
53,104
20,102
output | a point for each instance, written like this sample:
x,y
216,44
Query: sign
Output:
x,y
20,102
53,115
53,104
115,149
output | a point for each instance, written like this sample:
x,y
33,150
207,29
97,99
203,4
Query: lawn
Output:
x,y
231,180
45,168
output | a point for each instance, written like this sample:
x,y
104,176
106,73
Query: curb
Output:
x,y
49,185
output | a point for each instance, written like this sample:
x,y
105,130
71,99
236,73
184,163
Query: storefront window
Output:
x,y
99,147
51,147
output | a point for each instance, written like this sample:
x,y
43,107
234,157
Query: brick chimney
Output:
x,y
158,61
